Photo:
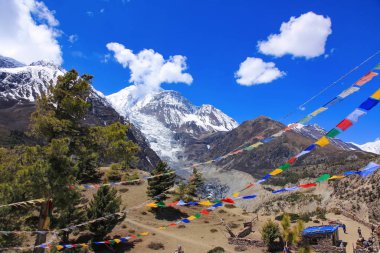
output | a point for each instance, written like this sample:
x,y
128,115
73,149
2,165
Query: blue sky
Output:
x,y
216,36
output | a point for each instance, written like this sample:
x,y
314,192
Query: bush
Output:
x,y
156,245
216,250
240,248
233,225
213,230
114,173
181,226
270,232
222,211
230,206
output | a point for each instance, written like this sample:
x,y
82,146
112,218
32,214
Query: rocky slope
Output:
x,y
170,121
19,87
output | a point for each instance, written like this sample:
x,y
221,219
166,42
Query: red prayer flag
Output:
x,y
292,160
107,242
228,200
344,124
204,211
368,77
307,185
173,224
249,186
173,203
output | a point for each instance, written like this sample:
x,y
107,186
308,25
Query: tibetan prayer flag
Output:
x,y
144,233
285,166
205,203
333,133
275,172
336,177
369,104
322,178
266,140
305,120
377,66
228,200
278,191
318,111
255,145
308,185
59,247
348,92
278,134
192,217
117,240
344,124
292,160
333,102
204,211
236,194
323,141
351,172
192,203
376,95
152,205
311,147
292,188
369,169
218,204
173,203
355,115
260,181
248,148
249,197
302,153
249,186
197,215
185,221
172,224
368,77
181,203
161,203
266,177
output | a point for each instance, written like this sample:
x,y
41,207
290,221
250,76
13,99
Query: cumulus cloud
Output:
x,y
149,69
254,71
304,36
28,31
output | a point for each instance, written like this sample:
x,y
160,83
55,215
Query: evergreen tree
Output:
x,y
195,182
270,232
159,185
106,201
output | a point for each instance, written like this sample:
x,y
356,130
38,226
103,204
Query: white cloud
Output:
x,y
90,13
255,71
304,36
28,31
149,69
73,38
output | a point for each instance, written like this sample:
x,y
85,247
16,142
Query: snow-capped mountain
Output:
x,y
21,84
373,146
169,120
315,131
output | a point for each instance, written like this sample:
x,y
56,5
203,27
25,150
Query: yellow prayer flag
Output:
x,y
275,172
161,228
152,205
336,177
59,247
205,203
322,141
236,194
376,95
318,111
192,217
255,145
117,240
144,233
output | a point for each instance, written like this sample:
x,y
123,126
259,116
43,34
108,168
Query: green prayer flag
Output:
x,y
248,148
285,166
161,203
198,215
334,132
217,201
304,120
322,178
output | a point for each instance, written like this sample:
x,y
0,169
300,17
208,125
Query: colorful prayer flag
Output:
x,y
323,141
275,172
344,124
366,78
369,104
333,133
318,111
355,115
322,178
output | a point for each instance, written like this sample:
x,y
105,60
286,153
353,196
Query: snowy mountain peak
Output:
x,y
373,146
6,62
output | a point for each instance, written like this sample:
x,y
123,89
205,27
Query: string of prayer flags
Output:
x,y
346,123
24,203
322,178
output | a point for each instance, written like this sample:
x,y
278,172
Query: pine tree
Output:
x,y
195,182
270,232
159,185
106,201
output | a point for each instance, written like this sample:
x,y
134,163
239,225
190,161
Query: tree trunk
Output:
x,y
43,224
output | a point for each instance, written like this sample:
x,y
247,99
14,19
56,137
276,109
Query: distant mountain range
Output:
x,y
373,146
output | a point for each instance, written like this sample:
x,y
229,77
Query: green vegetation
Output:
x,y
158,186
69,152
270,232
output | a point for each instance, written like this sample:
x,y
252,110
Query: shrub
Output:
x,y
240,248
114,173
222,211
213,230
216,250
270,232
230,206
156,245
233,225
181,226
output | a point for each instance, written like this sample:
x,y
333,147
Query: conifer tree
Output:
x,y
195,182
106,201
159,185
